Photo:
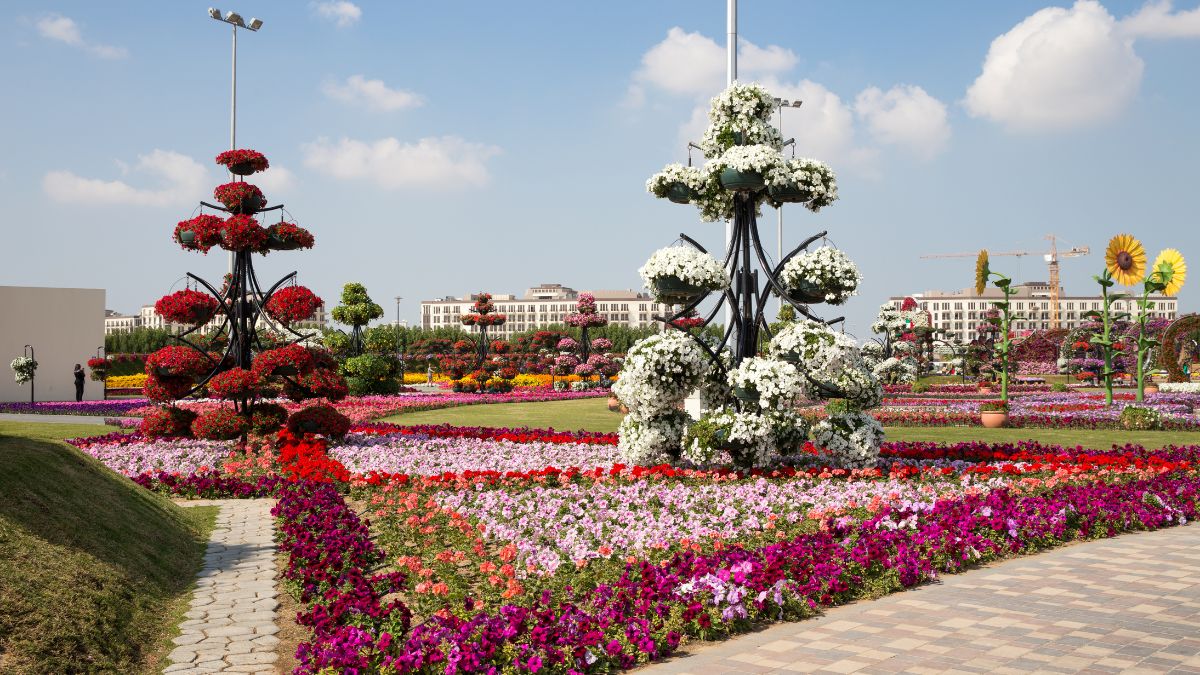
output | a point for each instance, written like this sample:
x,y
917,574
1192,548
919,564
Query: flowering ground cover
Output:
x,y
537,551
1075,409
100,408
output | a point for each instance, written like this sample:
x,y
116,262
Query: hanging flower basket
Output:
x,y
675,291
807,293
200,233
240,197
746,394
291,304
187,307
790,193
285,236
177,361
243,162
243,233
680,193
749,181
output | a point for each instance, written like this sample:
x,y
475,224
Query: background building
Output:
x,y
958,314
64,327
542,306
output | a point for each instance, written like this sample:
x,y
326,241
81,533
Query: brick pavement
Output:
x,y
231,627
1129,604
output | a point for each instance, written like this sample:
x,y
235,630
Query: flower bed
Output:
x,y
101,408
531,549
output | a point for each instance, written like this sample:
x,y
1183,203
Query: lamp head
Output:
x,y
235,19
255,24
214,13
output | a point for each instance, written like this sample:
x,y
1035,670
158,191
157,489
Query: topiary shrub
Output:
x,y
167,422
268,418
219,424
319,419
1059,388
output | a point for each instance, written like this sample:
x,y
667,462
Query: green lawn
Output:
x,y
593,415
95,572
590,414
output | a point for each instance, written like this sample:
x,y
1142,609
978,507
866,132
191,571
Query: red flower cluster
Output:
x,y
205,229
268,418
292,303
97,363
167,421
1082,345
293,358
320,383
319,419
243,162
305,459
219,424
240,197
162,389
177,361
288,236
189,307
688,322
235,383
243,233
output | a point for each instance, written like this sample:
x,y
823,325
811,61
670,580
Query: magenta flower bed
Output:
x,y
100,408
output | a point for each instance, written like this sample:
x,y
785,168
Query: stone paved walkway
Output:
x,y
231,625
1129,604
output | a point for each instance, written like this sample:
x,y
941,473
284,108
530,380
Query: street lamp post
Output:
x,y
103,380
235,20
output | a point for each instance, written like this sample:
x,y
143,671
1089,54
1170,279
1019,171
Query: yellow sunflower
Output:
x,y
1171,270
981,272
1125,259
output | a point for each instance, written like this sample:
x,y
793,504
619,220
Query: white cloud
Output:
x,y
1057,68
340,12
274,180
904,115
64,29
373,94
1155,20
446,162
182,180
693,64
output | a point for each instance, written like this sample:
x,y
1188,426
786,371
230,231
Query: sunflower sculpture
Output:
x,y
1171,270
981,272
1125,259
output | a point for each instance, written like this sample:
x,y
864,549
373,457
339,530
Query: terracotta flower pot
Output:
x,y
1150,389
994,419
614,403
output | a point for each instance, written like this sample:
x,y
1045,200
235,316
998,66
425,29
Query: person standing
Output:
x,y
429,375
78,382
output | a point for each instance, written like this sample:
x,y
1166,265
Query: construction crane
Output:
x,y
1051,259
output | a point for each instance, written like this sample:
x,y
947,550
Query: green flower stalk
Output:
x,y
983,274
1106,340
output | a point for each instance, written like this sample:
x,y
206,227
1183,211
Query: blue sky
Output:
x,y
446,148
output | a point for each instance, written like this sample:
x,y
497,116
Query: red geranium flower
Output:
x,y
320,383
205,229
287,236
319,419
240,197
167,421
243,162
293,357
292,303
243,233
219,424
164,389
187,307
235,383
177,361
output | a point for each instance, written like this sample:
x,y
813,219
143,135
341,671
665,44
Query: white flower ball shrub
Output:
x,y
777,383
850,437
826,268
648,441
686,264
659,372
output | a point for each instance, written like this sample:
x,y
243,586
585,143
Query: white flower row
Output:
x,y
829,269
687,264
1180,387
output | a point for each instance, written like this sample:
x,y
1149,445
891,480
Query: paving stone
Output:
x,y
1129,604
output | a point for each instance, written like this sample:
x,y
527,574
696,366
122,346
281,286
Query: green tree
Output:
x,y
356,310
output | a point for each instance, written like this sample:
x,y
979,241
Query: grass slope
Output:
x,y
593,415
93,569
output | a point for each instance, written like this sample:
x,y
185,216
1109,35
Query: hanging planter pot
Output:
x,y
680,193
746,394
675,291
278,243
242,168
790,193
790,357
747,181
807,293
186,238
249,205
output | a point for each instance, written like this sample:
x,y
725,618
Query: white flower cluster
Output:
x,y
826,357
661,182
748,438
748,158
777,383
905,348
852,438
1180,387
809,175
896,371
23,368
686,264
647,441
826,268
740,115
659,372
872,353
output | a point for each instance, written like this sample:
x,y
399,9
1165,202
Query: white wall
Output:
x,y
64,325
